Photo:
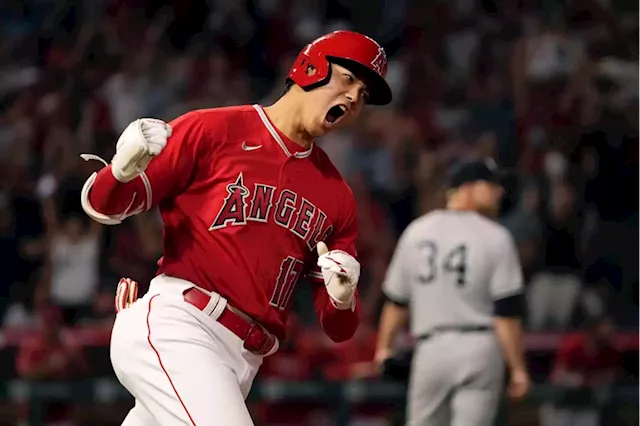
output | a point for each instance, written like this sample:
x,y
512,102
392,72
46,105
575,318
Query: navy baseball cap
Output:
x,y
473,171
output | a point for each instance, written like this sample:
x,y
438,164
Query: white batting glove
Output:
x,y
341,273
138,144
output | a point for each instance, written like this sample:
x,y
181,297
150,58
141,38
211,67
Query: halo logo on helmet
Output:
x,y
379,63
354,51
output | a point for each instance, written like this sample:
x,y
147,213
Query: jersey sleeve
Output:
x,y
397,283
339,325
507,279
167,174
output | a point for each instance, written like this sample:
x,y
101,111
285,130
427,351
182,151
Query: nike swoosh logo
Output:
x,y
246,147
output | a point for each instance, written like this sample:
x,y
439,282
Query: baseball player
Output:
x,y
250,204
457,274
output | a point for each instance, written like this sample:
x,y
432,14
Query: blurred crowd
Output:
x,y
547,88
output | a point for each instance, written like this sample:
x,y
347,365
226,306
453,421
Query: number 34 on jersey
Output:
x,y
443,265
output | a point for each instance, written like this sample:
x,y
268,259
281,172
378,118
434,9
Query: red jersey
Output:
x,y
243,209
576,355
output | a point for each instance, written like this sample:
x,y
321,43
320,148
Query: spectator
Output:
x,y
587,364
103,313
9,254
526,227
74,266
543,59
297,360
353,361
51,356
127,91
554,291
27,300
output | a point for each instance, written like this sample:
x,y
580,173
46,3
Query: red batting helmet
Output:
x,y
352,50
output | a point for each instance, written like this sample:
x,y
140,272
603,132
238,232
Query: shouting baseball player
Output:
x,y
248,202
458,275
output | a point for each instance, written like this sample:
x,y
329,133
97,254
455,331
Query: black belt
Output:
x,y
455,329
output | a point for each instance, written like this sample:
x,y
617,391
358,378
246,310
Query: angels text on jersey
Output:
x,y
266,204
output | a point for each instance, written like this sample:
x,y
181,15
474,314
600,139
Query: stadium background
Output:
x,y
548,88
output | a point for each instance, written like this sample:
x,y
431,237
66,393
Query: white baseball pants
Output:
x,y
456,380
181,365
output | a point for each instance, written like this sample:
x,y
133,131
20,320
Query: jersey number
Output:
x,y
290,270
454,262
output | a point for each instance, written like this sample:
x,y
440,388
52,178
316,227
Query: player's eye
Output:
x,y
364,93
349,78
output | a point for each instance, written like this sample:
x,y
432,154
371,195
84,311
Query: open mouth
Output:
x,y
335,114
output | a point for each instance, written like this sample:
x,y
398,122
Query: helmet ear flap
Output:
x,y
309,73
320,76
308,68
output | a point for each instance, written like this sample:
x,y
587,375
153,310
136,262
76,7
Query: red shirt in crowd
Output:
x,y
49,357
578,355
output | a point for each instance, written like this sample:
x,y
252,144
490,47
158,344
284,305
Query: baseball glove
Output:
x,y
397,368
126,293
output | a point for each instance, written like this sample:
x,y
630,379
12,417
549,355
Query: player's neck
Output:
x,y
458,204
463,206
285,116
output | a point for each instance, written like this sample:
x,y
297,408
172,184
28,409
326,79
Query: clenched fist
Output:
x,y
341,273
138,144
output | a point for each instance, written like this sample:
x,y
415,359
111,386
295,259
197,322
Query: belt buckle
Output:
x,y
258,341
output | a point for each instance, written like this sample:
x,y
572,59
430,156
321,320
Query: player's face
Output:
x,y
335,104
487,196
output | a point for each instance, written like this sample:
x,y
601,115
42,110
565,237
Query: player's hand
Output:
x,y
519,384
381,355
341,273
138,144
126,294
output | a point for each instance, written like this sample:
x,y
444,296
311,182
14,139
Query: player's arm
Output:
x,y
335,280
509,331
394,317
506,289
147,168
395,312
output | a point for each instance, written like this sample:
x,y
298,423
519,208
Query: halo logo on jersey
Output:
x,y
233,208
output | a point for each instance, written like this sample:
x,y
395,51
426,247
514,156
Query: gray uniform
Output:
x,y
449,267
